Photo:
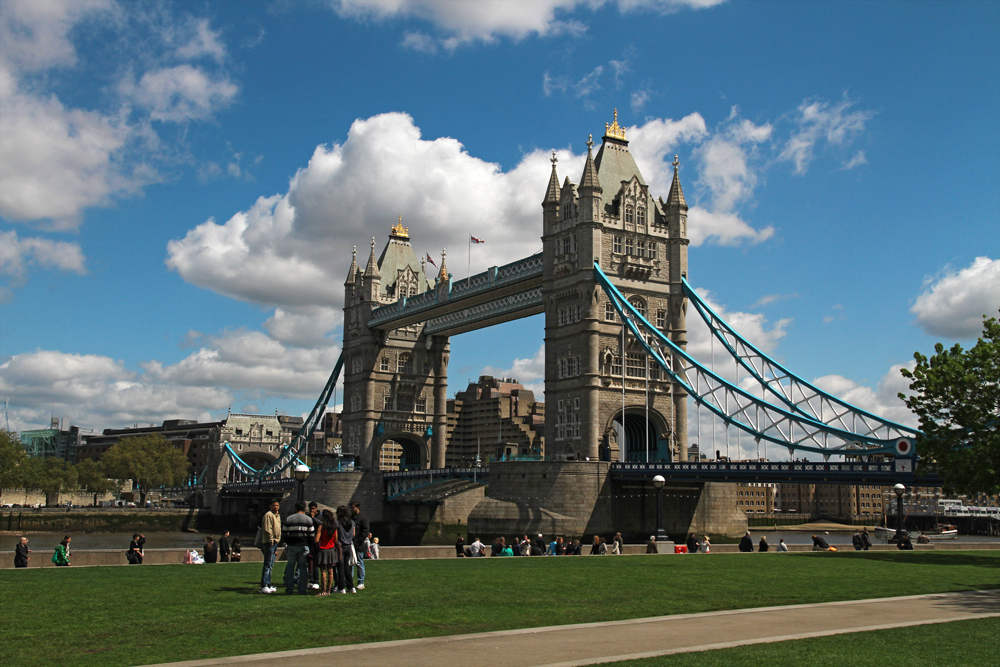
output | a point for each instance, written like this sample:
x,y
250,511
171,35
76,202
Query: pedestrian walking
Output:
x,y
135,549
619,546
706,546
866,541
856,541
270,536
361,532
62,554
298,531
21,552
692,544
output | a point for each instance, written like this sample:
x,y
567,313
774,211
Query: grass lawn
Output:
x,y
955,644
137,615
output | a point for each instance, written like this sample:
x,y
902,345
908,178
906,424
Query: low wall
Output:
x,y
125,521
95,558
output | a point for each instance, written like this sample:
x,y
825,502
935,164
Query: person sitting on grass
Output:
x,y
62,554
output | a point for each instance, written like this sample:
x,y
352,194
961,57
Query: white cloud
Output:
x,y
820,121
35,34
856,161
639,100
953,305
180,93
204,42
95,391
883,400
16,255
306,327
462,23
529,372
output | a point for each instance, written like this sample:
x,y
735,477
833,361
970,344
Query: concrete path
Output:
x,y
590,643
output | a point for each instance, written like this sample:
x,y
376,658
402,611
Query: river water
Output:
x,y
41,542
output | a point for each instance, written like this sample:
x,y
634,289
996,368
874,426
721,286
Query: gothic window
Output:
x,y
404,364
652,250
639,305
640,216
387,403
616,366
661,320
356,365
383,363
629,246
609,312
404,402
420,405
356,402
629,215
654,370
567,210
616,244
635,365
641,248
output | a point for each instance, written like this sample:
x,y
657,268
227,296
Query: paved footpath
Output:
x,y
589,643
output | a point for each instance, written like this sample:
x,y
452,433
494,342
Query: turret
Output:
x,y
352,278
550,205
370,279
675,207
590,189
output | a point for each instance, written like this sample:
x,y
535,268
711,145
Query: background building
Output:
x,y
494,417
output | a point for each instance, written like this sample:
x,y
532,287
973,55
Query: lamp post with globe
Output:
x,y
899,489
301,475
658,482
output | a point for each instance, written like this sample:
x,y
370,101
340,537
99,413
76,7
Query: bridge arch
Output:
x,y
399,450
625,440
256,459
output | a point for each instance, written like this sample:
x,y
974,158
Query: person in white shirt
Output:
x,y
477,548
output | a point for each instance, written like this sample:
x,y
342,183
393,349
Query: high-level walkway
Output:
x,y
595,643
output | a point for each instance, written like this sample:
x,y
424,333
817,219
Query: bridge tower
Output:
x,y
641,244
395,382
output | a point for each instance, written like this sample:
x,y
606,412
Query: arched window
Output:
x,y
640,216
629,214
405,364
639,305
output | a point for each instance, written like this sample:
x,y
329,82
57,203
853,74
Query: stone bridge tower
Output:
x,y
641,244
395,382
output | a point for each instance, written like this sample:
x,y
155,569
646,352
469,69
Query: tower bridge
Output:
x,y
612,283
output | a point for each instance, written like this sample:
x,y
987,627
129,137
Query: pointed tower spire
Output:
x,y
589,180
552,193
352,272
443,273
676,195
372,268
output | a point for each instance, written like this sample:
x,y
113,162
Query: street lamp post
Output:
x,y
658,483
899,489
301,474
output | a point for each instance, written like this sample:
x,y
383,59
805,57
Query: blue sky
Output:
x,y
181,183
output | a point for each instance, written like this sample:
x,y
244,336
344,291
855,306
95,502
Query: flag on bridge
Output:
x,y
475,240
431,261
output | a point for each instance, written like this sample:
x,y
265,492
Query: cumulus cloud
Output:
x,y
883,400
952,305
820,122
460,23
59,160
98,391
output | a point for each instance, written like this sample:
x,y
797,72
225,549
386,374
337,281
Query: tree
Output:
x,y
49,475
12,458
956,396
91,476
148,460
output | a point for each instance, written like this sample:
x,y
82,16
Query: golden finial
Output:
x,y
399,230
614,130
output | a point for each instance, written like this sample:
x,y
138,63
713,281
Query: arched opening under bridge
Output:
x,y
629,441
400,452
256,460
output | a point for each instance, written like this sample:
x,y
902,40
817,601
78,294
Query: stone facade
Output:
x,y
396,382
641,244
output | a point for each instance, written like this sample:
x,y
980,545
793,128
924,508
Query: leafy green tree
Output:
x,y
12,458
91,476
52,476
956,396
148,460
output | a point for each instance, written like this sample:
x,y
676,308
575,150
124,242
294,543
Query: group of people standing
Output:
x,y
325,550
222,551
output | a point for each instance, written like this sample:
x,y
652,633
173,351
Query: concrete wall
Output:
x,y
340,488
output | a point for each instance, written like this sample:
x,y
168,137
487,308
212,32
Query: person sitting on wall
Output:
x,y
746,543
762,546
460,547
651,545
211,550
477,548
904,543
